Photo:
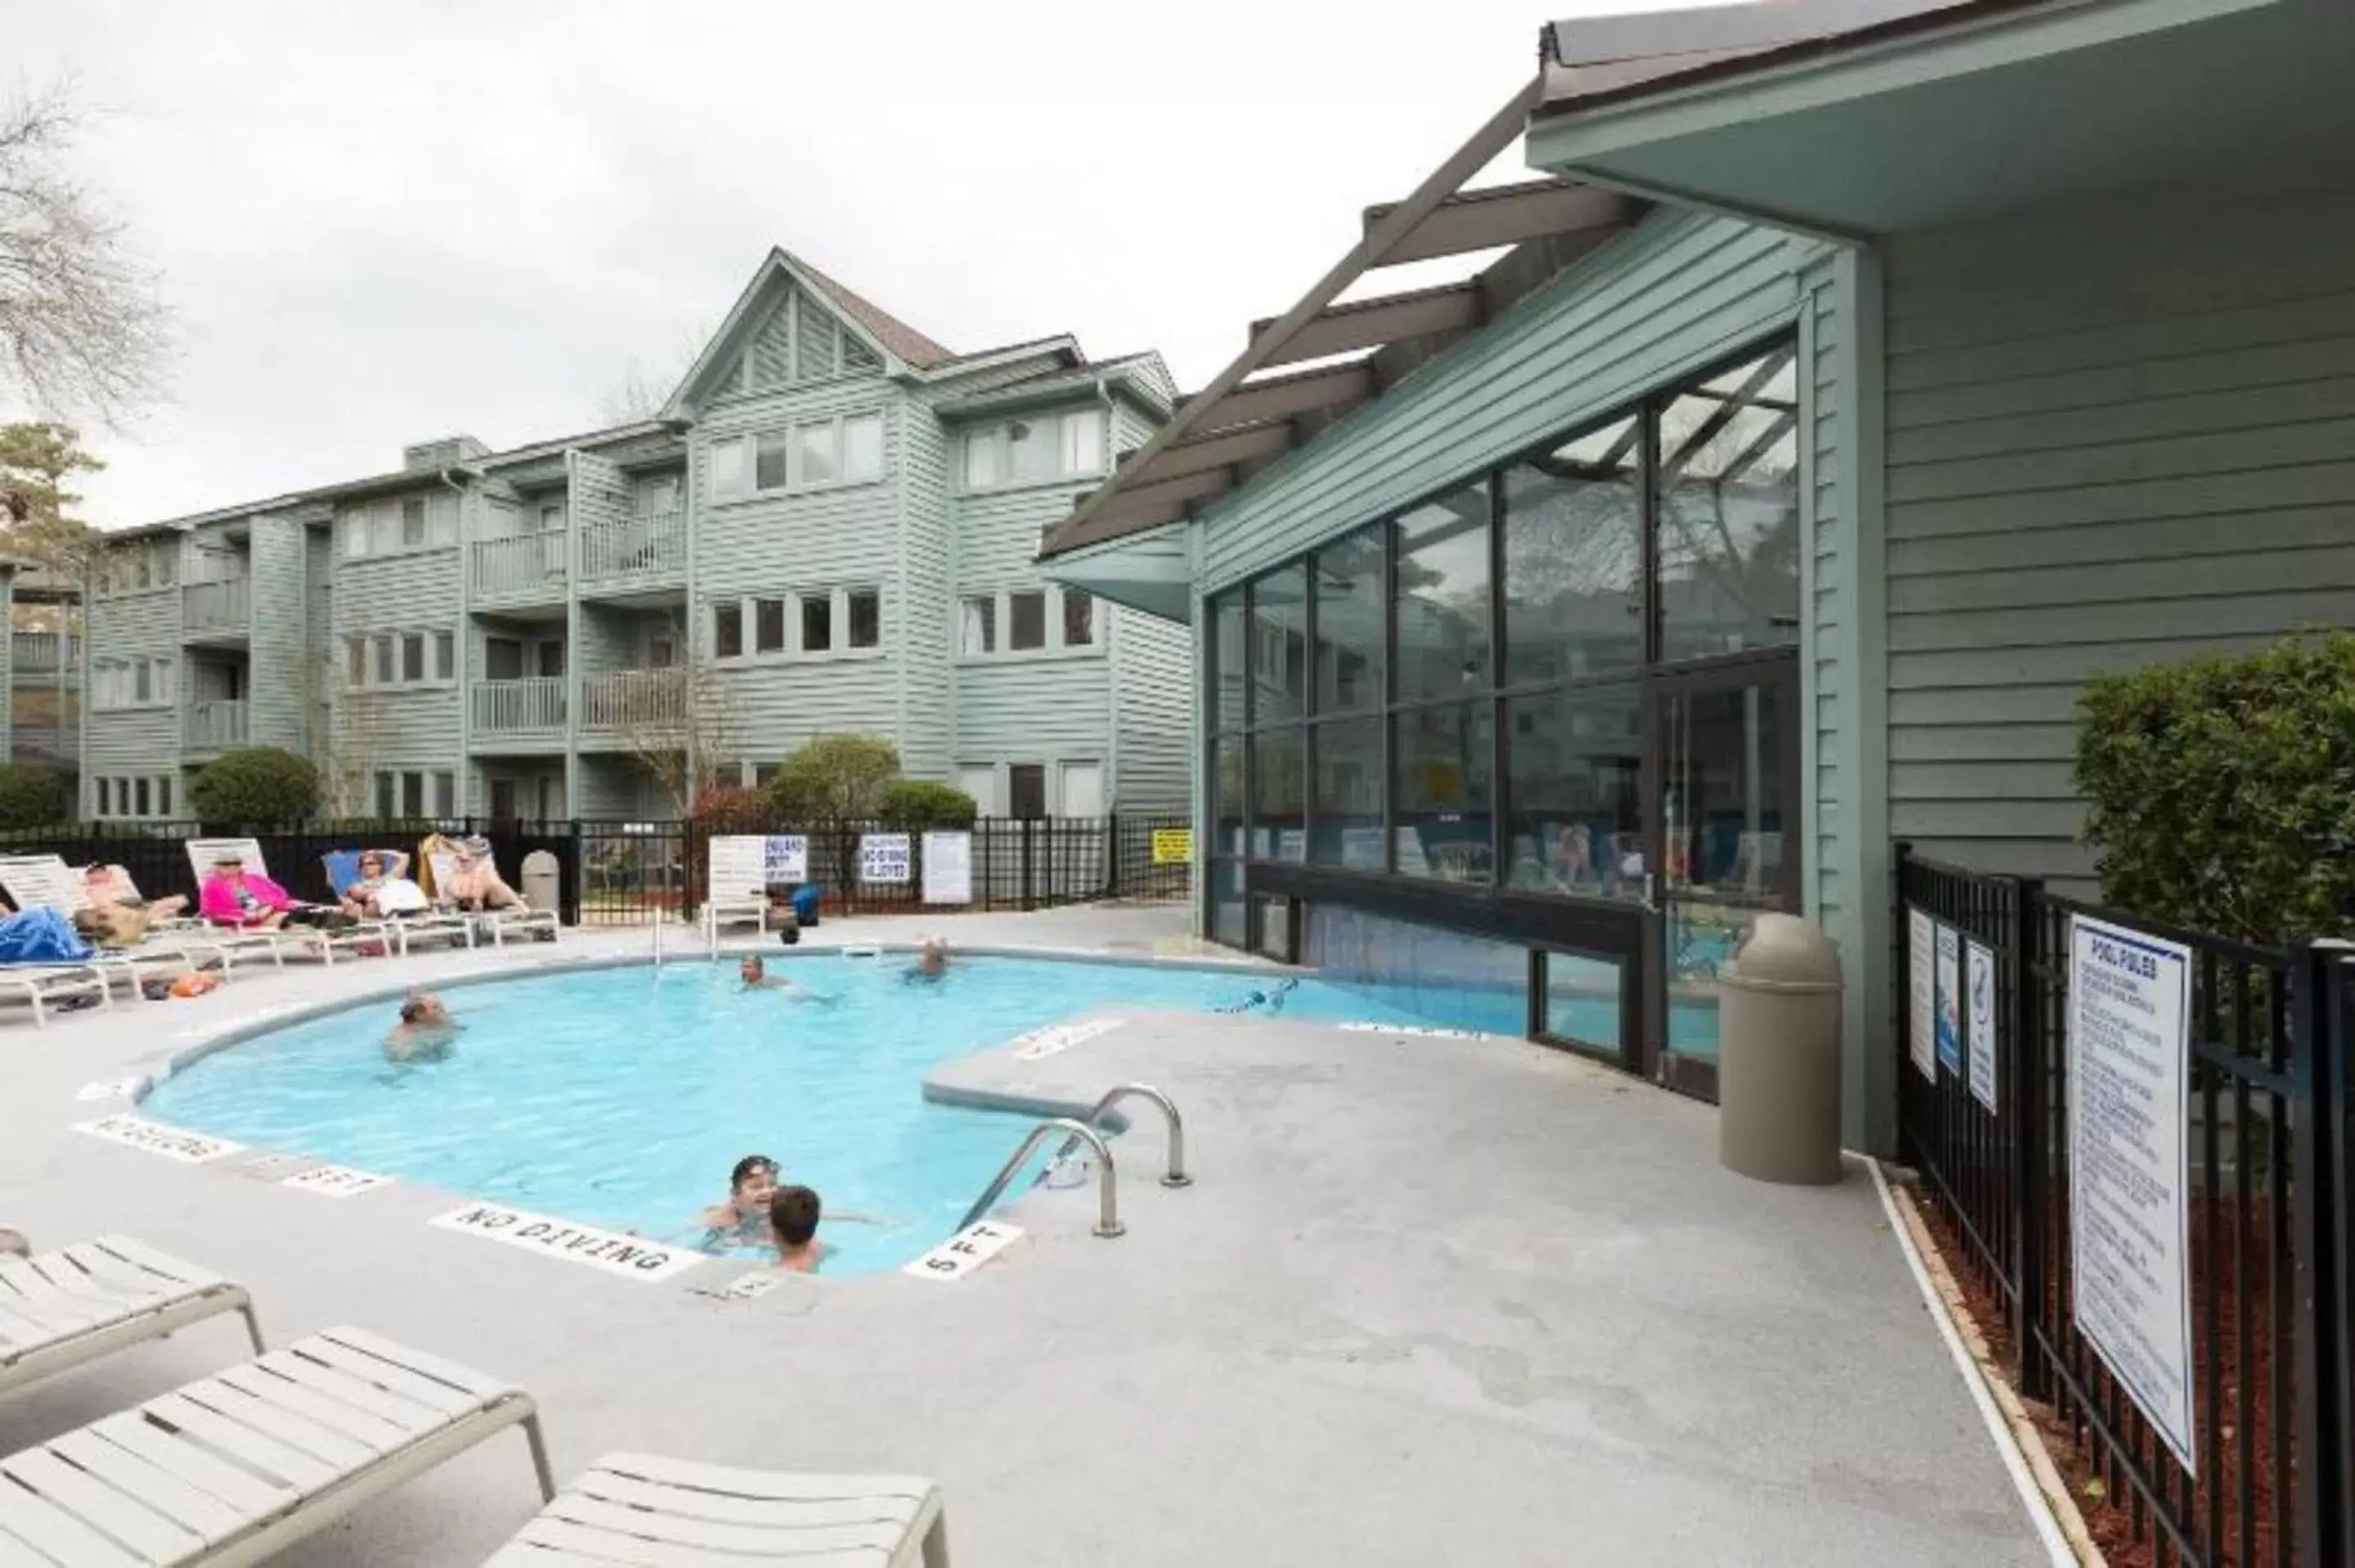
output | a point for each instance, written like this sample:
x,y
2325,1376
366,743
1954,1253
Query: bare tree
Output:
x,y
81,324
643,390
682,723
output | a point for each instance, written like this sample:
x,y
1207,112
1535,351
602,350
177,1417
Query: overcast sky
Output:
x,y
385,223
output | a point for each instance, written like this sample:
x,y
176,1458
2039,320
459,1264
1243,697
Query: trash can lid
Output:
x,y
1782,952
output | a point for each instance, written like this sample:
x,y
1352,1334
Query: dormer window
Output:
x,y
1038,449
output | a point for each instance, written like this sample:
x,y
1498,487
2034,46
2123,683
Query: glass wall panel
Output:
x,y
1449,978
1574,762
1226,795
1445,763
1228,661
1575,559
1279,645
1583,999
1227,908
1442,597
1348,805
1279,794
1728,511
1349,577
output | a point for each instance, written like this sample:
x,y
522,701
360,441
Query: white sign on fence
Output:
x,y
1978,1009
2129,1165
1922,999
1950,1000
965,1251
138,1132
787,859
948,868
883,858
633,1256
337,1181
739,865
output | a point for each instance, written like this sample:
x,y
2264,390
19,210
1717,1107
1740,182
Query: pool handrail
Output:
x,y
1175,1176
1107,1184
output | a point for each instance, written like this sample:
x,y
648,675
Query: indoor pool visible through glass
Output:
x,y
620,1097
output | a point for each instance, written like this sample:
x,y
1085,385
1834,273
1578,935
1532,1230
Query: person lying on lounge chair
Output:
x,y
233,896
105,885
382,889
475,883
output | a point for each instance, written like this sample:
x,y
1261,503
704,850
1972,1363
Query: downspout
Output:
x,y
462,638
1112,777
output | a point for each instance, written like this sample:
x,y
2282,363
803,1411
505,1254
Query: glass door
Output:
x,y
1725,843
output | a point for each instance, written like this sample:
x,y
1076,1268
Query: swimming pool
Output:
x,y
620,1097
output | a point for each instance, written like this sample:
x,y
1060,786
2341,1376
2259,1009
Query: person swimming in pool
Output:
x,y
426,1031
932,961
743,1219
755,972
793,1214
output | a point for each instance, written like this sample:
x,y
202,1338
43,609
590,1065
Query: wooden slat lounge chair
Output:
x,y
633,1509
233,1469
61,1309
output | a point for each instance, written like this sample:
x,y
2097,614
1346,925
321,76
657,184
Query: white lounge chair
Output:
x,y
285,941
60,1309
233,1469
634,1509
46,882
42,986
498,924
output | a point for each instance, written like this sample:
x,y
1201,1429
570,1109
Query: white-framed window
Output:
x,y
1034,621
978,624
813,454
728,630
399,524
415,792
1035,449
551,517
817,622
863,619
143,681
812,623
768,626
139,566
136,795
389,661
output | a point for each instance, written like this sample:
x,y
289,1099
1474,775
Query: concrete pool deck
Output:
x,y
1429,1301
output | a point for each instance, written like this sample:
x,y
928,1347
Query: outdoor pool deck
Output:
x,y
1429,1301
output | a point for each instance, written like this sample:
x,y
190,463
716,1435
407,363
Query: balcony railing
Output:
x,y
217,725
520,563
635,700
515,707
44,653
217,607
652,546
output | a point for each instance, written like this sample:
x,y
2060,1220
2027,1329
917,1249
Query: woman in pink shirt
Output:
x,y
233,896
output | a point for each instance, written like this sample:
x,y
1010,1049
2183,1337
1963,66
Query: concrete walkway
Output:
x,y
1431,1301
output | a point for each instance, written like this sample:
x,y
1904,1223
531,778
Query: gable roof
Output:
x,y
903,342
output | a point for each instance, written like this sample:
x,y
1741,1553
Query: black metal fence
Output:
x,y
637,872
1986,1117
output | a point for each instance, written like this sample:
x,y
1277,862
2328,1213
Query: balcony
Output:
x,y
635,550
217,610
532,709
523,568
645,703
218,725
44,654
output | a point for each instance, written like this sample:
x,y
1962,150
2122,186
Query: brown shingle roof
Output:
x,y
905,342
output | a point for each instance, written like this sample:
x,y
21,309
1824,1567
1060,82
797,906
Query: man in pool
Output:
x,y
931,961
743,1219
425,1033
793,1214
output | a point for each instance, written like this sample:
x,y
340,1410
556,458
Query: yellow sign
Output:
x,y
1172,846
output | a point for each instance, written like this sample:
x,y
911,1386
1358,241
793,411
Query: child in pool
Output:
x,y
793,1214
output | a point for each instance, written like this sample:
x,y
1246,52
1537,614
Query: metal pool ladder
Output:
x,y
1084,1131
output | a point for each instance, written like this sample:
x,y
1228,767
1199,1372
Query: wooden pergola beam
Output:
x,y
1370,324
1504,214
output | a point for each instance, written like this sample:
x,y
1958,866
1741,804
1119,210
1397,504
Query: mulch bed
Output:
x,y
2245,1416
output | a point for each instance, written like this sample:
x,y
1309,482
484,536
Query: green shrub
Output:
x,y
2220,793
30,798
835,778
921,804
264,787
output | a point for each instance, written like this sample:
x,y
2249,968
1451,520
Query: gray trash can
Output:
x,y
542,880
1778,1062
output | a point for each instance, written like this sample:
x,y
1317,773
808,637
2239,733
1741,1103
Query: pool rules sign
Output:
x,y
2129,1165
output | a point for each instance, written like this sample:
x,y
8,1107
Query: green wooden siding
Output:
x,y
2116,438
276,687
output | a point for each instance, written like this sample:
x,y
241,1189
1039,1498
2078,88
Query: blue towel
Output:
x,y
41,936
342,869
805,904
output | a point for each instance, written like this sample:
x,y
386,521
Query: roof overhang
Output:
x,y
1303,370
1856,118
1149,571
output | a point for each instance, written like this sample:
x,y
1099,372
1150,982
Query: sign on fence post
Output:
x,y
1922,1009
948,868
1978,1009
784,859
1173,846
1950,1000
883,859
2129,1165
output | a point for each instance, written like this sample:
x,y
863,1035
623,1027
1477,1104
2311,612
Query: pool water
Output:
x,y
620,1097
